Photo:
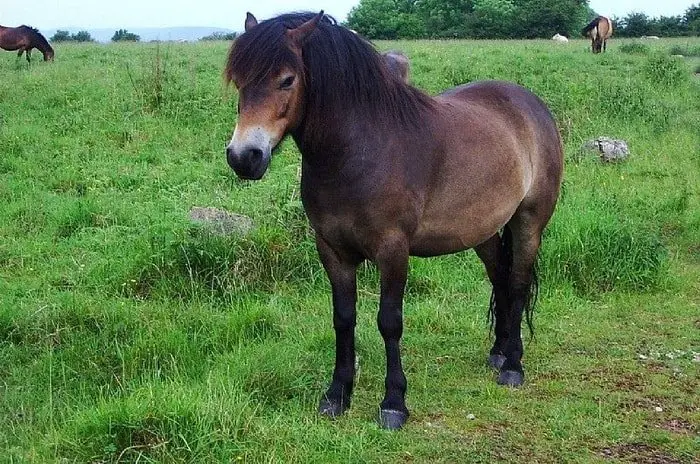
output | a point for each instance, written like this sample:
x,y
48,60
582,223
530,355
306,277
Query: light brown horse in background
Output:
x,y
599,30
388,171
24,39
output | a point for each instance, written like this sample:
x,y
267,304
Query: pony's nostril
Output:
x,y
254,155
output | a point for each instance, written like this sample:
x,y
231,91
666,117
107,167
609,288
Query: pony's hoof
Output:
x,y
496,361
331,409
391,419
511,378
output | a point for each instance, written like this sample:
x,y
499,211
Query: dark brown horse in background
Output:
x,y
389,172
24,39
599,31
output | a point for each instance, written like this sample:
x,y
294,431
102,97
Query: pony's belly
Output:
x,y
436,246
428,242
448,227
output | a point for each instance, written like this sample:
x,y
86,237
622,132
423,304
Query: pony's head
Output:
x,y
265,64
48,54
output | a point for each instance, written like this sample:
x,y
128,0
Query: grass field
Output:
x,y
129,334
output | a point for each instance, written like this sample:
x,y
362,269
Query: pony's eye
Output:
x,y
287,83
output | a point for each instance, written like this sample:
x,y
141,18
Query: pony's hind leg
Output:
x,y
496,260
522,235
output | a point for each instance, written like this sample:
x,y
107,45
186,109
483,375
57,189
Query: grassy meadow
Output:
x,y
130,334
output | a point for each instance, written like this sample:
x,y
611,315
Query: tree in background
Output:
x,y
82,36
491,19
61,36
639,24
668,26
122,35
219,35
691,19
392,19
444,18
635,25
386,19
544,18
65,36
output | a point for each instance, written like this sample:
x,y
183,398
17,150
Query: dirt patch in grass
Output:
x,y
678,426
639,453
641,403
655,366
610,379
630,381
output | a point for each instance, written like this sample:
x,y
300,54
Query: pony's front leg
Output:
x,y
342,273
393,269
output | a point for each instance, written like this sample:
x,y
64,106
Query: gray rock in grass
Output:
x,y
608,149
221,222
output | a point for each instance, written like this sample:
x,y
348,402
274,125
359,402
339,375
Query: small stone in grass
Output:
x,y
659,409
471,416
221,222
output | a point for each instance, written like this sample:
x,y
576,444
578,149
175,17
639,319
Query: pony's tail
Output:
x,y
505,267
590,26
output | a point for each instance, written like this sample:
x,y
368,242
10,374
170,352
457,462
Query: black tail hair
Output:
x,y
590,26
505,268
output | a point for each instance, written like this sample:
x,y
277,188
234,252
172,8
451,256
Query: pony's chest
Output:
x,y
356,218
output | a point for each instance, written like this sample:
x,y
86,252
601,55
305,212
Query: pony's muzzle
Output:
x,y
251,163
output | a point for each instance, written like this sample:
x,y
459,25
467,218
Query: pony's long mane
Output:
x,y
36,35
342,69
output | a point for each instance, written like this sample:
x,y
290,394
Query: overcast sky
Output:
x,y
94,14
621,8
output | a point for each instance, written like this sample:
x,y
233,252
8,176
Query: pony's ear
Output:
x,y
250,21
300,34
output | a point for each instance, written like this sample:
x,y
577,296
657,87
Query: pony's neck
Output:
x,y
321,140
41,45
329,142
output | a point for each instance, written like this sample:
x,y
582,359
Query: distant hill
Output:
x,y
146,34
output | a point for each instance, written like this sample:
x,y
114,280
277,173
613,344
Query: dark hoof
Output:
x,y
496,361
511,378
331,409
391,419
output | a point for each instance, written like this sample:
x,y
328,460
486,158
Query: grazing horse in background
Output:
x,y
389,172
397,63
24,39
599,30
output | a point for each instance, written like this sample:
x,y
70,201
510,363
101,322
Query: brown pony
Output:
x,y
24,39
389,172
599,30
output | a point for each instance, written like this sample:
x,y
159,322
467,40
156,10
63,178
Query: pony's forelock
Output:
x,y
261,51
341,68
